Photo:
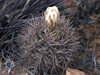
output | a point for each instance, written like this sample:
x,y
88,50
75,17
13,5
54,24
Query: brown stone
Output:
x,y
70,71
69,3
98,60
92,43
87,33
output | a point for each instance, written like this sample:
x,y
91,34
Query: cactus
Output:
x,y
48,51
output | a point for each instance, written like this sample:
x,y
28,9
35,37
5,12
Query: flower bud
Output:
x,y
52,16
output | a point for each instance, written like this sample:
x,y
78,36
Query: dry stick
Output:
x,y
94,56
85,51
28,71
0,63
95,19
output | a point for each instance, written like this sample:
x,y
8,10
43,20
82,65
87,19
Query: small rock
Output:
x,y
98,71
92,30
98,41
69,3
12,72
98,60
98,54
92,43
98,36
87,33
70,71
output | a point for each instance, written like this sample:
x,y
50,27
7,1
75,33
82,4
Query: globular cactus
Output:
x,y
48,51
12,15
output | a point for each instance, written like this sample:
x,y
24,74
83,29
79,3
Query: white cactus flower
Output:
x,y
52,16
